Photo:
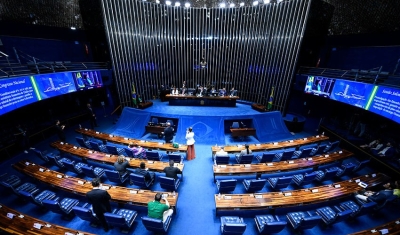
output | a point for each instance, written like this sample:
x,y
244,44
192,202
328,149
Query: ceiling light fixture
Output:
x,y
168,3
232,5
187,5
222,5
177,4
255,3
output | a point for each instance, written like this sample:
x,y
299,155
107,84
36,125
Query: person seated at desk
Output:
x,y
233,92
199,91
183,91
171,171
138,151
158,210
222,92
391,188
372,145
221,152
121,165
245,151
174,91
213,92
387,151
144,171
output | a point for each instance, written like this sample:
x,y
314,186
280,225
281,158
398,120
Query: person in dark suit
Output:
x,y
168,133
100,200
233,92
121,165
60,131
22,138
92,116
171,171
381,196
143,171
386,152
222,92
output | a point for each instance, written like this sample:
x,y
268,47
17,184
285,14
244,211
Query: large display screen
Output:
x,y
54,84
353,93
87,80
15,93
386,102
319,86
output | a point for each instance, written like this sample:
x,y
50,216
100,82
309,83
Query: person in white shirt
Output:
x,y
246,150
190,143
373,144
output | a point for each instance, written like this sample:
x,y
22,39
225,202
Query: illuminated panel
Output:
x,y
386,102
353,93
54,84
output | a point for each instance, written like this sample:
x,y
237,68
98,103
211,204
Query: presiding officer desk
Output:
x,y
272,146
191,100
79,186
88,154
392,227
126,141
272,167
272,200
24,224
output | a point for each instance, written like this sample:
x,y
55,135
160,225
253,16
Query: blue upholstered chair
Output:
x,y
92,172
123,218
171,122
63,207
140,181
266,157
302,153
169,184
154,156
345,169
115,177
156,225
244,159
318,150
235,125
154,120
222,160
254,185
98,147
280,182
42,154
37,198
129,153
176,157
226,185
57,161
73,166
114,150
305,179
83,143
327,174
13,183
358,210
232,225
267,224
331,216
285,155
85,212
331,146
303,220
360,165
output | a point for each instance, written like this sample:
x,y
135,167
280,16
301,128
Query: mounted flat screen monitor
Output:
x,y
85,80
386,102
319,86
353,93
54,84
15,93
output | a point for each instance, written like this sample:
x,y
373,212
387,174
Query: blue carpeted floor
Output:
x,y
196,206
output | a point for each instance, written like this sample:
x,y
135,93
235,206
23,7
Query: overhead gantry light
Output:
x,y
232,5
222,5
187,5
255,3
177,4
168,3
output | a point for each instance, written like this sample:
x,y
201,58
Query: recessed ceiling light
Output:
x,y
168,3
187,4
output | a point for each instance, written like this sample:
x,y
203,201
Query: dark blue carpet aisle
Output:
x,y
195,207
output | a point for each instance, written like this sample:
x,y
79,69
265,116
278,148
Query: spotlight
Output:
x,y
222,5
168,3
232,5
266,1
187,5
241,4
255,3
73,28
177,4
157,1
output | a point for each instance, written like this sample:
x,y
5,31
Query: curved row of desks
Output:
x,y
126,141
272,167
79,186
14,222
272,200
88,154
272,146
392,227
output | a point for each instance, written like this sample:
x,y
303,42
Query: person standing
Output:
x,y
100,200
190,143
171,171
168,133
22,138
158,210
92,116
60,131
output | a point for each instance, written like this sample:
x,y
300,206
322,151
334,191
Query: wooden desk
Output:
x,y
243,132
70,184
273,167
85,154
299,197
393,227
259,107
272,146
155,129
191,100
23,226
126,141
145,104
